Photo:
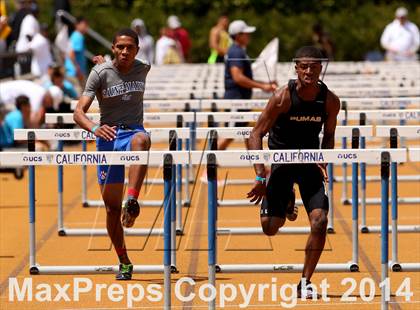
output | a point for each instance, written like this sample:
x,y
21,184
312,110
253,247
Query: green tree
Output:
x,y
354,25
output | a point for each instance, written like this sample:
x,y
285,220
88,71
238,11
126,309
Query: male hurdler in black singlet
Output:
x,y
294,117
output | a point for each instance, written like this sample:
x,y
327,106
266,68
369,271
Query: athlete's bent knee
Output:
x,y
319,224
141,141
270,226
269,230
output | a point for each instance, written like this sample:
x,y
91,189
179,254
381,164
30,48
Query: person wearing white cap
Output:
x,y
181,35
146,42
401,38
238,72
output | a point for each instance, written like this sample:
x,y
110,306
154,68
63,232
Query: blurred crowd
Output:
x,y
59,66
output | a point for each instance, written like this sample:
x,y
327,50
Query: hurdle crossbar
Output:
x,y
157,134
166,117
235,158
162,134
199,104
341,92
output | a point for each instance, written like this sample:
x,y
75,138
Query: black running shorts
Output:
x,y
280,185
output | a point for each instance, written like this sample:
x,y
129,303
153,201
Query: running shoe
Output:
x,y
292,209
125,272
306,292
130,211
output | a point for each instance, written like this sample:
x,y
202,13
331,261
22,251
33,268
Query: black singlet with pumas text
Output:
x,y
299,127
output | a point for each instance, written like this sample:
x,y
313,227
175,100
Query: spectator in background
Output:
x,y
41,52
181,35
168,50
322,40
146,42
39,98
75,63
219,40
5,29
56,77
28,29
3,35
239,80
401,38
15,20
3,113
63,27
63,5
17,119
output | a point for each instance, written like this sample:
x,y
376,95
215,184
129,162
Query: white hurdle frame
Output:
x,y
341,92
344,115
157,134
387,132
228,158
65,118
34,158
244,132
201,133
373,115
161,134
352,266
203,117
200,104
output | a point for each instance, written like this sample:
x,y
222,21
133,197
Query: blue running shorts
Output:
x,y
109,174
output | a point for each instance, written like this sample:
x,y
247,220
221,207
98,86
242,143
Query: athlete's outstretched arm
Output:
x,y
333,107
278,103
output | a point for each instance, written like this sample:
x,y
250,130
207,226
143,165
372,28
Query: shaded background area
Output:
x,y
355,26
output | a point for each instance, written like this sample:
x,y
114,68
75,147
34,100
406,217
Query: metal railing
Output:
x,y
90,32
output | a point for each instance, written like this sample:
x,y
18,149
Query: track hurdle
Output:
x,y
386,160
195,86
67,118
384,156
393,132
54,158
157,134
201,134
243,133
374,115
225,158
215,93
377,92
267,157
202,104
182,133
18,172
202,117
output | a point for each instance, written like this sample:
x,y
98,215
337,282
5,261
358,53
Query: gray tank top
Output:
x,y
120,96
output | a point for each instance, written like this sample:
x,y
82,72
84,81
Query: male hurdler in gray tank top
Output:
x,y
120,96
